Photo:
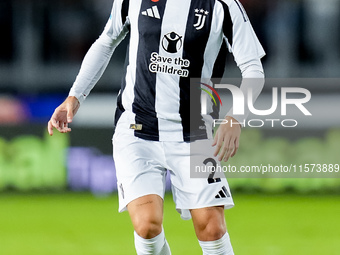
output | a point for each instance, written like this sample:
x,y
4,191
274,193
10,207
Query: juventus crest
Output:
x,y
201,18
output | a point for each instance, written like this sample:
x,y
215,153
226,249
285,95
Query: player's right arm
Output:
x,y
63,115
93,66
99,54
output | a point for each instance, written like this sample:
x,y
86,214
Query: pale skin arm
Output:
x,y
63,115
227,139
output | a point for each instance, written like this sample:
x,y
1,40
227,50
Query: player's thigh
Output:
x,y
146,214
192,191
209,223
139,169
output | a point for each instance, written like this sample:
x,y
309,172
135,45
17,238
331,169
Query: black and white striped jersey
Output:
x,y
171,41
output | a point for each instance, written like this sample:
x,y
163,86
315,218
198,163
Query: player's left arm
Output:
x,y
227,137
247,50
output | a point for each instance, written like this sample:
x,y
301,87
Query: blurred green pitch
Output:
x,y
79,223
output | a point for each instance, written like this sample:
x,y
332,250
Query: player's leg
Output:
x,y
203,197
211,231
146,214
141,187
209,223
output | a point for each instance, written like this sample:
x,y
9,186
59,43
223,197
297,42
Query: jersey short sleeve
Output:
x,y
239,34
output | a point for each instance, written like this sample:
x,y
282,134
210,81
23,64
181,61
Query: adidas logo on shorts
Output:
x,y
223,193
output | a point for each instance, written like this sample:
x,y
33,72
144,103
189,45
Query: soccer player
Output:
x,y
171,41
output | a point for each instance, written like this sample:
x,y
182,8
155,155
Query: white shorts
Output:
x,y
142,165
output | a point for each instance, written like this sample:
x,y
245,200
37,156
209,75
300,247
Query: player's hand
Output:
x,y
227,139
63,115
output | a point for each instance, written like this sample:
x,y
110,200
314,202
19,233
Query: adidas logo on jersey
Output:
x,y
223,193
152,12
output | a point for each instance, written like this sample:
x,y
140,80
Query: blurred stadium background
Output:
x,y
57,194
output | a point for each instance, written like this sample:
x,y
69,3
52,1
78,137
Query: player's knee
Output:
x,y
209,223
211,230
148,228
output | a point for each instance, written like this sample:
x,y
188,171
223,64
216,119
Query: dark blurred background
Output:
x,y
43,42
